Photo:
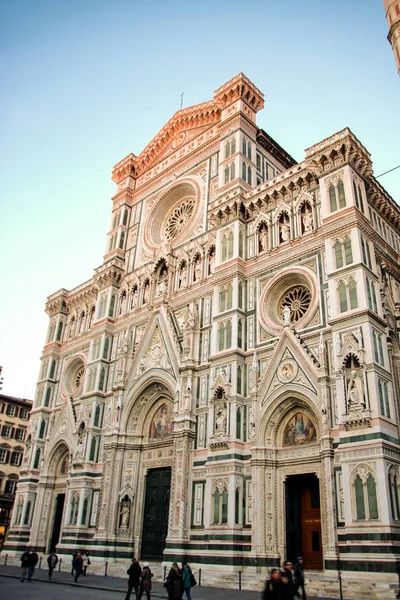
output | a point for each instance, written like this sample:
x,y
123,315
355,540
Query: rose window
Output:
x,y
178,220
78,377
298,299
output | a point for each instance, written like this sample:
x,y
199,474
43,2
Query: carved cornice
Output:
x,y
239,88
124,168
110,273
382,202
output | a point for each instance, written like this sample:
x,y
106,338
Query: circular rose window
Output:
x,y
73,377
294,289
175,215
298,299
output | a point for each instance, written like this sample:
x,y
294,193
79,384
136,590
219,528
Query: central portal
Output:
x,y
303,520
156,509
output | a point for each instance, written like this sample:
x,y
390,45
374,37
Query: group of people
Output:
x,y
287,583
80,563
139,580
179,581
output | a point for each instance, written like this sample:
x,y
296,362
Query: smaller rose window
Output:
x,y
179,218
78,377
298,299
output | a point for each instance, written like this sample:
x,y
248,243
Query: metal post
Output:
x,y
5,560
165,573
40,563
59,564
105,569
199,577
240,580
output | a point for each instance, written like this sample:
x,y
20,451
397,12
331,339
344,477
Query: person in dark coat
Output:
x,y
173,583
145,583
135,573
186,580
52,560
273,587
77,566
287,581
299,578
29,561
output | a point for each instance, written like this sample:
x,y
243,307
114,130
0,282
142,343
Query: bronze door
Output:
x,y
156,510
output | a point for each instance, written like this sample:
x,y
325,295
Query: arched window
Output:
x,y
84,510
106,348
220,501
352,287
18,510
27,513
244,147
249,174
360,502
244,171
249,151
92,453
366,498
227,150
394,494
342,296
222,299
221,337
233,145
332,198
348,254
102,379
230,244
112,306
59,331
342,197
73,515
240,333
36,462
52,369
338,254
237,506
228,334
239,380
122,240
226,175
42,429
239,423
125,218
229,296
240,294
47,397
232,171
96,419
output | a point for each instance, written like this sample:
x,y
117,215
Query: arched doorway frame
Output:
x,y
273,464
155,388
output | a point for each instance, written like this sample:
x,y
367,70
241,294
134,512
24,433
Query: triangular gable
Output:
x,y
290,365
156,349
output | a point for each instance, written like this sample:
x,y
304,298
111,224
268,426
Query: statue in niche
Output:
x,y
307,218
284,229
183,276
134,297
220,421
205,348
146,291
211,262
263,238
355,390
197,269
123,304
125,513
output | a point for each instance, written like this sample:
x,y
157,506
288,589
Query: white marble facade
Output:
x,y
241,331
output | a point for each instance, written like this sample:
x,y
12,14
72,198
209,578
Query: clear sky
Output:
x,y
85,82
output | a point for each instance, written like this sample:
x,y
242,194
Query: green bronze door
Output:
x,y
156,509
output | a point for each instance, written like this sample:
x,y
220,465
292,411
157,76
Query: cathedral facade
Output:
x,y
225,388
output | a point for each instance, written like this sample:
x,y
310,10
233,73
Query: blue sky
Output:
x,y
83,83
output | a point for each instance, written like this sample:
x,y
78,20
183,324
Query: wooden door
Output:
x,y
310,519
156,509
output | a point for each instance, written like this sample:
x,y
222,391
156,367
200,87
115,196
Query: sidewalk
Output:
x,y
119,585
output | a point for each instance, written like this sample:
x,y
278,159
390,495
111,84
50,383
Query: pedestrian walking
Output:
x,y
86,561
72,564
173,583
29,561
145,583
52,560
77,566
287,580
273,587
135,573
186,580
299,578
